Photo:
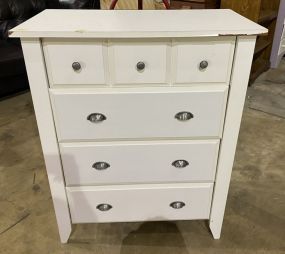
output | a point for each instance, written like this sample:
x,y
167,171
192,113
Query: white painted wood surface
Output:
x,y
189,53
39,88
140,202
140,121
238,86
114,62
139,113
124,56
60,54
139,162
136,24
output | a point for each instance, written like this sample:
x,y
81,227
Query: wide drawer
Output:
x,y
139,113
74,62
140,202
203,60
139,162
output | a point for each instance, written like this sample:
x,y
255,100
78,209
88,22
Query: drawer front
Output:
x,y
139,203
199,60
181,112
139,62
74,63
139,162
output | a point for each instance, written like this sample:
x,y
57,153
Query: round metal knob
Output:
x,y
177,204
180,163
184,116
140,66
104,207
203,65
76,66
96,117
101,165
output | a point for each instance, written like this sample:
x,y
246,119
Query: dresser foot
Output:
x,y
216,229
64,234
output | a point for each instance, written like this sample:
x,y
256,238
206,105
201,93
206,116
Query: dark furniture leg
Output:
x,y
140,4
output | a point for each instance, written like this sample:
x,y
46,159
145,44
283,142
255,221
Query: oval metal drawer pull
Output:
x,y
104,207
76,66
96,117
204,64
180,163
140,66
177,204
184,116
101,165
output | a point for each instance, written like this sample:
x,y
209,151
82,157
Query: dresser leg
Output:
x,y
64,233
238,86
39,89
216,229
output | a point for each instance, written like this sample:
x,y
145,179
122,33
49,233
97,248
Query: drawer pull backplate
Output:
x,y
184,116
101,165
104,207
177,204
180,163
96,117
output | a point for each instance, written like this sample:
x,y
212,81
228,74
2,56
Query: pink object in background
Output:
x,y
140,4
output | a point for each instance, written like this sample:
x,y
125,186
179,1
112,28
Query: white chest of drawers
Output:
x,y
138,111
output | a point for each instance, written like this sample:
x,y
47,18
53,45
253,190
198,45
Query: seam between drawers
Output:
x,y
138,139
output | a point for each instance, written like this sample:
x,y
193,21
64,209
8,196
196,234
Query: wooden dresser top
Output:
x,y
136,24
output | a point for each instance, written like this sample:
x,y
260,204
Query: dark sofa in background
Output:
x,y
13,77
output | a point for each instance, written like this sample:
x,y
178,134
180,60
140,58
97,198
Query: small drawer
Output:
x,y
139,113
203,60
140,202
140,62
74,62
139,162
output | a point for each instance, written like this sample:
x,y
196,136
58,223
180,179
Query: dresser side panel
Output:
x,y
238,86
39,89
